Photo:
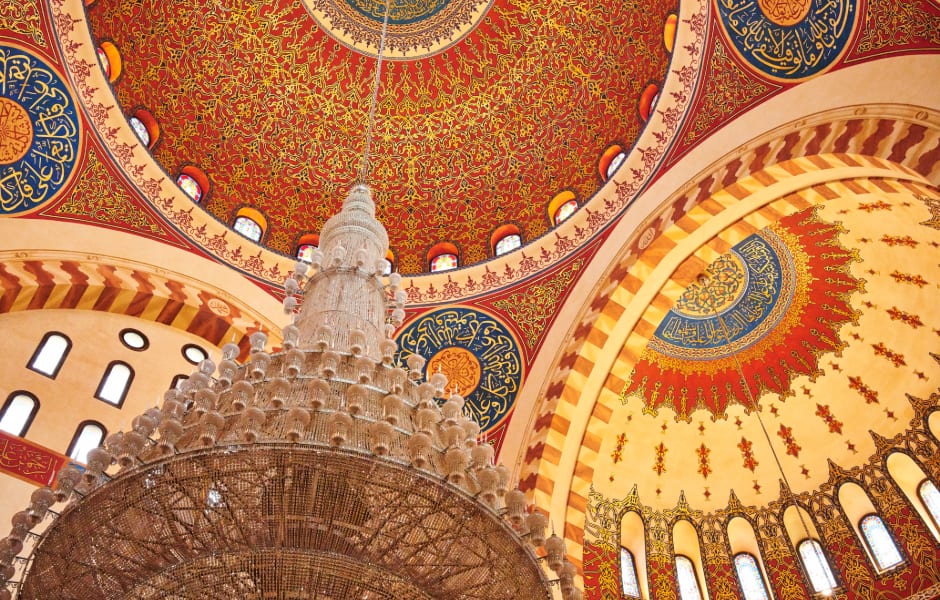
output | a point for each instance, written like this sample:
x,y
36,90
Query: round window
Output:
x,y
134,339
194,354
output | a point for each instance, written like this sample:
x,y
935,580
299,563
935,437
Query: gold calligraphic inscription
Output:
x,y
16,132
28,461
461,367
785,12
728,279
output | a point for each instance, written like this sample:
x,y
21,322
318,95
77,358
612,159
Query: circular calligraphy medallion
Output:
x,y
416,28
39,132
788,40
16,131
461,367
477,352
785,12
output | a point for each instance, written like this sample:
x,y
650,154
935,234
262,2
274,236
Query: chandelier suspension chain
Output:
x,y
364,167
705,281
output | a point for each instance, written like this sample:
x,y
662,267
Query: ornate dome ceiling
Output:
x,y
488,112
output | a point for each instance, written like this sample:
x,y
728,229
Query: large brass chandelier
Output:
x,y
323,471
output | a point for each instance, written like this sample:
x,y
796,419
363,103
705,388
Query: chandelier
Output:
x,y
322,471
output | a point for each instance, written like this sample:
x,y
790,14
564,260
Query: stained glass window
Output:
x,y
879,542
631,586
750,577
565,210
88,436
141,130
248,228
931,497
115,383
50,354
615,164
508,243
688,582
18,413
444,262
105,63
305,252
817,566
190,186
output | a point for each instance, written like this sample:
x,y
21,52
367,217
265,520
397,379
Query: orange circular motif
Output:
x,y
16,131
785,12
461,367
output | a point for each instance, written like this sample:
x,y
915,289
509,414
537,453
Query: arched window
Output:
x,y
248,228
250,223
628,579
565,210
610,161
88,435
109,57
18,412
562,206
648,100
145,126
879,542
189,185
930,496
115,383
817,566
443,257
505,239
389,263
50,354
307,243
508,243
444,262
669,31
750,577
688,581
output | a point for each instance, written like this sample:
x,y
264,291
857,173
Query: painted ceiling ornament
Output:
x,y
788,40
786,286
415,28
39,132
478,353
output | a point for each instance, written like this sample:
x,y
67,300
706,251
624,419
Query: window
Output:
x,y
930,496
750,577
305,252
880,543
615,164
194,354
631,586
688,582
444,262
817,566
443,257
189,185
248,228
50,354
88,435
18,412
115,383
508,243
134,339
565,210
141,130
104,62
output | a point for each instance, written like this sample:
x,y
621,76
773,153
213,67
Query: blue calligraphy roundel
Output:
x,y
788,40
478,353
39,132
749,292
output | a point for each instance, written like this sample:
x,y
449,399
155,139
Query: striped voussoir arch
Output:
x,y
33,281
569,411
